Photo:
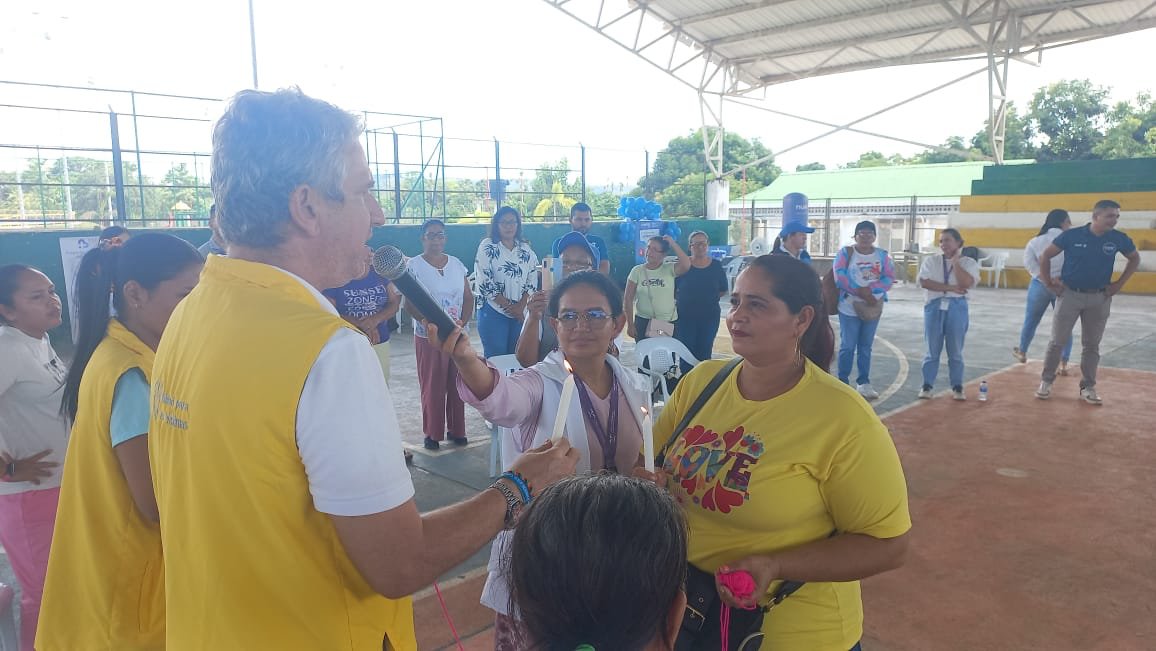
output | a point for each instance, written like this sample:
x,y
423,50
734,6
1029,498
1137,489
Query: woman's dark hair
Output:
x,y
590,278
496,233
661,242
777,247
431,222
953,233
9,282
113,231
795,283
149,259
1056,217
598,560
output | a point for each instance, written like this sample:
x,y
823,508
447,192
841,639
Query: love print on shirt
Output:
x,y
714,470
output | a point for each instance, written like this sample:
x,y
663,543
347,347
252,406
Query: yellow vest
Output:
x,y
251,564
105,585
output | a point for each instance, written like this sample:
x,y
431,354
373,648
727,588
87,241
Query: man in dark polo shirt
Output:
x,y
1085,290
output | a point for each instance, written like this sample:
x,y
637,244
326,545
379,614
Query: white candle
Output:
x,y
647,440
563,405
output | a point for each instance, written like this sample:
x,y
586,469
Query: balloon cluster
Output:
x,y
637,208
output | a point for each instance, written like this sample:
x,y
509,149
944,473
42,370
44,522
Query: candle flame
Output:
x,y
566,363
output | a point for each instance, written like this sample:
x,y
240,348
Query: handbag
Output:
x,y
868,311
659,328
702,623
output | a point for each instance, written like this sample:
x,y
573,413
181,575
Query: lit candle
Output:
x,y
547,274
563,404
647,440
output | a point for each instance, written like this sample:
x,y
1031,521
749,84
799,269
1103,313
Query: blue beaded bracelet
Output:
x,y
520,482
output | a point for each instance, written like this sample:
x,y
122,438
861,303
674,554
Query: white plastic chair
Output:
x,y
995,264
506,365
662,354
733,268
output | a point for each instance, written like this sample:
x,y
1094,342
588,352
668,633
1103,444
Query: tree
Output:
x,y
1131,130
1017,140
686,197
875,159
809,167
683,156
1070,115
935,156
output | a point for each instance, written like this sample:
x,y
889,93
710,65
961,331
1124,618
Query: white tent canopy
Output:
x,y
729,49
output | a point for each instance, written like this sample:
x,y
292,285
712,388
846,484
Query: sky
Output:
x,y
517,70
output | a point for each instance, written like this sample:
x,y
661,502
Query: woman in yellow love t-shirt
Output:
x,y
786,472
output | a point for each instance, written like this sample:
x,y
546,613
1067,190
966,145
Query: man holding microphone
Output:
x,y
287,512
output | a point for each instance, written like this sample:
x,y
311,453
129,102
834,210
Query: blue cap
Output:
x,y
574,238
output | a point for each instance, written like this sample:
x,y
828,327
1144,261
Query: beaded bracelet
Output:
x,y
519,481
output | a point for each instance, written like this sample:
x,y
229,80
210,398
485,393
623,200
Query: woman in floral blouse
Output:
x,y
505,269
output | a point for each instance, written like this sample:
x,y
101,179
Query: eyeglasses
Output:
x,y
595,318
695,245
508,222
571,267
435,236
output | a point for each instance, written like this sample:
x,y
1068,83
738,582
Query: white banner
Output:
x,y
72,249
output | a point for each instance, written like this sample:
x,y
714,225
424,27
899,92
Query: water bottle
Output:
x,y
983,391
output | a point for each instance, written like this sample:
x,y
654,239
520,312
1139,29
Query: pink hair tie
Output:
x,y
742,586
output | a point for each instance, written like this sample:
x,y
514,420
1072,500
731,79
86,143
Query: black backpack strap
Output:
x,y
696,407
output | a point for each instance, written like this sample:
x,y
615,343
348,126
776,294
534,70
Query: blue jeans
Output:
x,y
855,334
944,327
698,334
1039,298
498,332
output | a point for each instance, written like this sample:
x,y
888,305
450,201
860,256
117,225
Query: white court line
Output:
x,y
917,401
901,378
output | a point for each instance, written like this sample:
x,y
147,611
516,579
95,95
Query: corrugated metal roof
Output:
x,y
757,43
885,182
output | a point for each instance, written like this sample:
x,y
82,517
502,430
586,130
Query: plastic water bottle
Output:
x,y
983,391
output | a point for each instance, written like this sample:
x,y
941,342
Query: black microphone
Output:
x,y
388,261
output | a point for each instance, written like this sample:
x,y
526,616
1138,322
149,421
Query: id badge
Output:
x,y
944,304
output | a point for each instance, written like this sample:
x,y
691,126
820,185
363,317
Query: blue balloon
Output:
x,y
673,230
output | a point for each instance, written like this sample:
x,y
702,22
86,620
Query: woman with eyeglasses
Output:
x,y
505,270
445,278
698,292
603,421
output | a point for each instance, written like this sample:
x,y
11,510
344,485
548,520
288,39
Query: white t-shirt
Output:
x,y
347,429
447,287
862,269
1035,250
932,269
31,379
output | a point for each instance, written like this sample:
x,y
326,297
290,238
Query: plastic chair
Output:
x,y
995,264
9,637
506,365
662,354
733,268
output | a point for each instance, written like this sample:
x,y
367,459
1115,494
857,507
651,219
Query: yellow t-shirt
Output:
x,y
755,477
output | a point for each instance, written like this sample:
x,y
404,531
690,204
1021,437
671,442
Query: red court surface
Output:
x,y
1035,525
1034,521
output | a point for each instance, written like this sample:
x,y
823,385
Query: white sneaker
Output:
x,y
958,394
924,393
867,391
1089,395
1045,391
1020,355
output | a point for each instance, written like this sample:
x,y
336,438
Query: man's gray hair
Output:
x,y
265,146
703,233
